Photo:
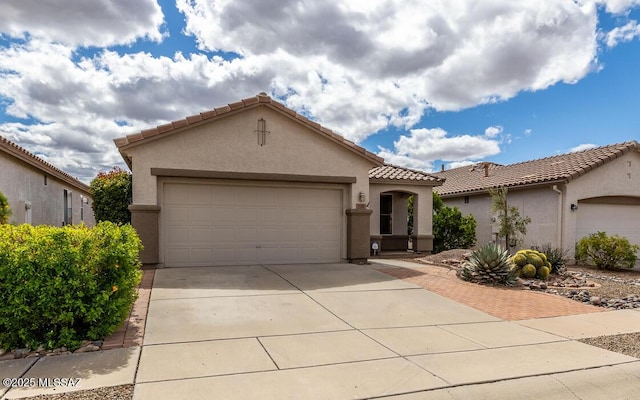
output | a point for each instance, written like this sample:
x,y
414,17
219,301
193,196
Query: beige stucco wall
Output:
x,y
230,144
423,216
540,204
22,183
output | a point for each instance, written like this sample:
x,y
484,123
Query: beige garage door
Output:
x,y
210,224
618,219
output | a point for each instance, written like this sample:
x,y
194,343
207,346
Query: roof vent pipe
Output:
x,y
486,170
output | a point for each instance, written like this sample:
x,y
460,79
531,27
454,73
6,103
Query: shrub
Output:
x,y
606,252
62,285
556,256
453,231
489,265
5,210
111,194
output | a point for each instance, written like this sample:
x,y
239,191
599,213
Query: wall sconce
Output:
x,y
574,207
361,197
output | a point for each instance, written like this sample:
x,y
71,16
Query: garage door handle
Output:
x,y
258,247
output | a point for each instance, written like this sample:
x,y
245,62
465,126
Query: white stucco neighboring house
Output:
x,y
567,196
254,182
38,192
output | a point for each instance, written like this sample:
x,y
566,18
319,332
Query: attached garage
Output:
x,y
205,223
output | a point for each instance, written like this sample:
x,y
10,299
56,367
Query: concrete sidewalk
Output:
x,y
341,332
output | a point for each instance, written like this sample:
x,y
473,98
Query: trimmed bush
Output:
x,y
111,194
606,252
59,286
5,210
453,231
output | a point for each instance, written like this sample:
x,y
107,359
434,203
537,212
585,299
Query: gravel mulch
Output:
x,y
123,392
627,344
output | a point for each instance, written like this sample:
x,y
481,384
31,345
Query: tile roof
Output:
x,y
560,168
262,99
392,173
18,152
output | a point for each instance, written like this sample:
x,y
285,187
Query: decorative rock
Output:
x,y
543,286
20,353
98,343
87,348
595,300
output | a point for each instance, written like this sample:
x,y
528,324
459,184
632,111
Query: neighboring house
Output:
x,y
38,192
256,183
567,197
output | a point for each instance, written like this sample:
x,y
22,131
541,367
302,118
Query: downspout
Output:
x,y
559,223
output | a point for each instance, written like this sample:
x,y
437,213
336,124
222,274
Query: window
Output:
x,y
386,209
68,211
466,199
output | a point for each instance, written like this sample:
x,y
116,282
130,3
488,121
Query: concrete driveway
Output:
x,y
349,332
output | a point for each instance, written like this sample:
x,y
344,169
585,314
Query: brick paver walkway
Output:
x,y
505,303
131,332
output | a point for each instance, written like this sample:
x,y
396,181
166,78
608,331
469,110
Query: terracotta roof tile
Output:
x,y
392,173
563,167
30,158
260,99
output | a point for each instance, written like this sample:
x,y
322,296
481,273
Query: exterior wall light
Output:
x,y
574,207
361,197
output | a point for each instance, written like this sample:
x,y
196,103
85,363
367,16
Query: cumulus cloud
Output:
x,y
422,146
81,22
582,147
528,132
624,33
493,131
458,164
357,67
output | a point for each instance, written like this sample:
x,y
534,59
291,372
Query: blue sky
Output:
x,y
421,83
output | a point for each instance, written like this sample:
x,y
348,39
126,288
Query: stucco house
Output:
x,y
567,196
38,192
254,182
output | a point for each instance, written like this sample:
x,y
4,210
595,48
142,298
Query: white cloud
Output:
x,y
493,131
458,164
582,147
82,22
528,132
357,67
618,6
624,33
423,146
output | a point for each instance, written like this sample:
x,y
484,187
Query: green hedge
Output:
x,y
59,286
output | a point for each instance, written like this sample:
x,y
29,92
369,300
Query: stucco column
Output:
x,y
358,220
423,222
144,218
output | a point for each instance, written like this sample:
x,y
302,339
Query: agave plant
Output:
x,y
489,265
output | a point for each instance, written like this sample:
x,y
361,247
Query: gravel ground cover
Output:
x,y
124,392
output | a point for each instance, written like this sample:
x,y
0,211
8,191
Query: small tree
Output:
x,y
111,193
510,224
450,229
5,210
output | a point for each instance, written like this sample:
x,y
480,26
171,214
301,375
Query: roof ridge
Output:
x,y
40,161
625,145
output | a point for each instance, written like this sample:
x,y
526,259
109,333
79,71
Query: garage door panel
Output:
x,y
200,235
235,224
199,194
177,215
176,195
198,215
178,235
